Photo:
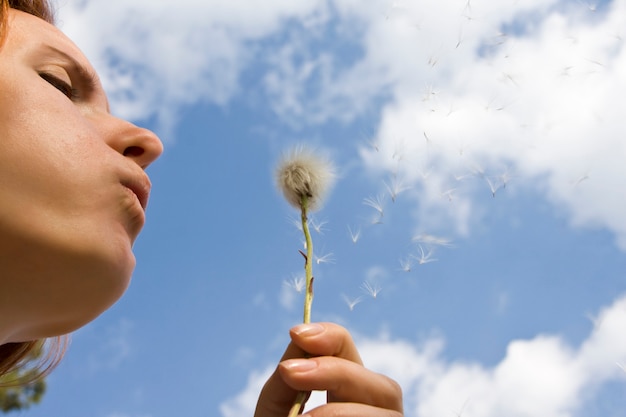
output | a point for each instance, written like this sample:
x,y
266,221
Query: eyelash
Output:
x,y
60,85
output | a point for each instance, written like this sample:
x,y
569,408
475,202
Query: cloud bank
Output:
x,y
543,376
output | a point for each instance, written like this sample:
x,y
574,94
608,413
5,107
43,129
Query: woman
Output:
x,y
73,192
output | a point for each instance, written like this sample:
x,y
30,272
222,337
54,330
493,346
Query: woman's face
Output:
x,y
72,186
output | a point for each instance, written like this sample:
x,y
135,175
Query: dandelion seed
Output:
x,y
509,77
395,187
468,7
373,145
425,257
493,186
461,177
459,39
376,219
460,412
297,223
352,302
297,283
406,264
318,226
354,236
620,366
478,171
596,321
504,178
433,61
430,90
371,289
398,153
425,174
324,259
432,240
304,176
377,204
592,7
580,179
449,194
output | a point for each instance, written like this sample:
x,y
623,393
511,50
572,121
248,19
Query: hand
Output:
x,y
336,367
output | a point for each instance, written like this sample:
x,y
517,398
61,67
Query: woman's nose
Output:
x,y
141,145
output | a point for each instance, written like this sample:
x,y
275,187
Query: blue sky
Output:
x,y
496,126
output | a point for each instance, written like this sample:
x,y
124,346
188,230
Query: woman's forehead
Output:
x,y
31,30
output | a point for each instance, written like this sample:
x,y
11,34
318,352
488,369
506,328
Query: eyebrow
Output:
x,y
88,76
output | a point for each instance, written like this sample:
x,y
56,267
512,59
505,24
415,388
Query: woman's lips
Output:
x,y
140,186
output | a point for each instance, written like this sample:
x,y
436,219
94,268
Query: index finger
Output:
x,y
316,339
322,339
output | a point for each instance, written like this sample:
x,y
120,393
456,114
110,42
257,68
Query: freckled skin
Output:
x,y
68,214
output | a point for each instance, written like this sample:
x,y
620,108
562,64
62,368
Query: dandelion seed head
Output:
x,y
303,173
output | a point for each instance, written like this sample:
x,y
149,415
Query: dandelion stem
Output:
x,y
308,264
302,396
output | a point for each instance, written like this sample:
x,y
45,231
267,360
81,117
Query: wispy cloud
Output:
x,y
156,59
114,345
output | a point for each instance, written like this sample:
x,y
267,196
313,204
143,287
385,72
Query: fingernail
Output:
x,y
300,365
308,329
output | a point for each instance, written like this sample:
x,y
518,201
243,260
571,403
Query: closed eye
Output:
x,y
60,85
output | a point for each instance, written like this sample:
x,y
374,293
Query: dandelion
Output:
x,y
304,179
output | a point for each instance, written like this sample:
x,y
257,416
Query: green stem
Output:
x,y
302,396
308,264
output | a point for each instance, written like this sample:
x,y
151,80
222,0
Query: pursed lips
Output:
x,y
140,186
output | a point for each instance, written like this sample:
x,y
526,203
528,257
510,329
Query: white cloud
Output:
x,y
244,403
523,92
493,92
155,58
543,376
